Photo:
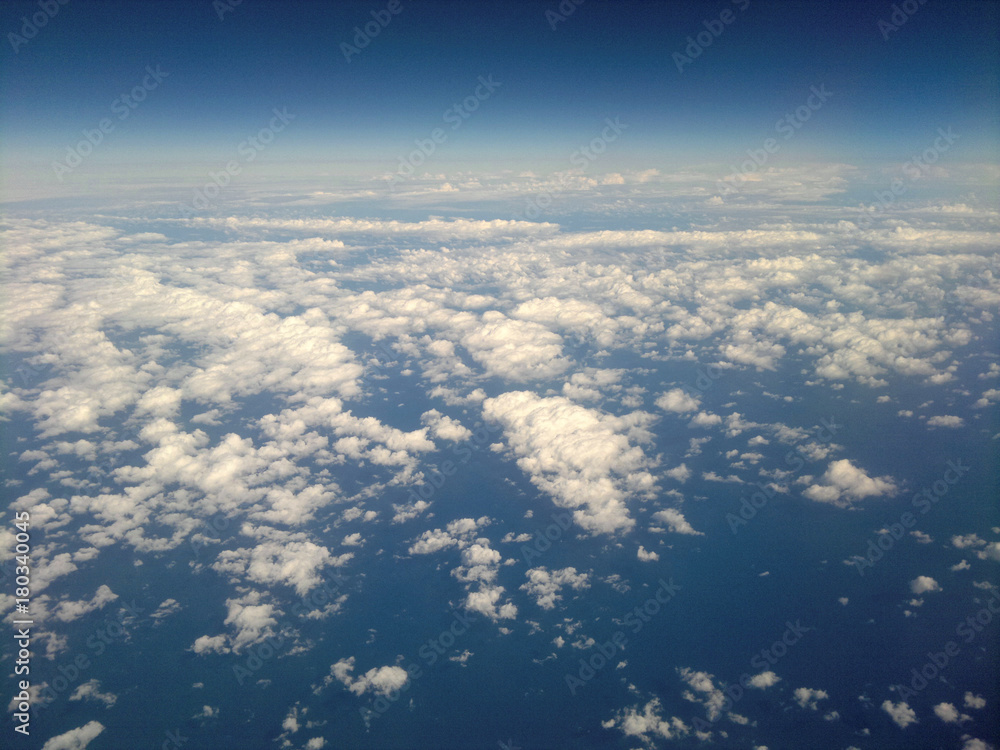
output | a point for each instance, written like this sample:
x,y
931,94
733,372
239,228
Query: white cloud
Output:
x,y
901,713
68,611
647,723
675,521
949,714
946,421
974,701
764,680
544,585
844,482
379,680
681,473
922,584
678,400
807,697
646,556
75,739
91,691
582,457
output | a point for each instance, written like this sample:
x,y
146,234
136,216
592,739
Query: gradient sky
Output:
x,y
940,69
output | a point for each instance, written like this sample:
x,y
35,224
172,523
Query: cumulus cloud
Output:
x,y
647,724
807,697
583,458
379,680
901,713
922,584
75,739
844,482
675,521
544,584
646,556
678,400
945,421
68,611
949,714
91,691
293,563
764,680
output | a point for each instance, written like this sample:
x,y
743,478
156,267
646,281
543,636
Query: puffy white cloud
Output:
x,y
379,680
945,421
843,482
91,691
675,521
286,561
67,611
544,584
807,697
949,714
901,713
974,701
75,739
681,473
764,680
515,349
645,555
678,400
582,457
647,723
445,427
922,584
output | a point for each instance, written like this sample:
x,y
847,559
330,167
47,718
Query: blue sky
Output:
x,y
557,85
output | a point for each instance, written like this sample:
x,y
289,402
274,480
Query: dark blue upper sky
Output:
x,y
888,96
